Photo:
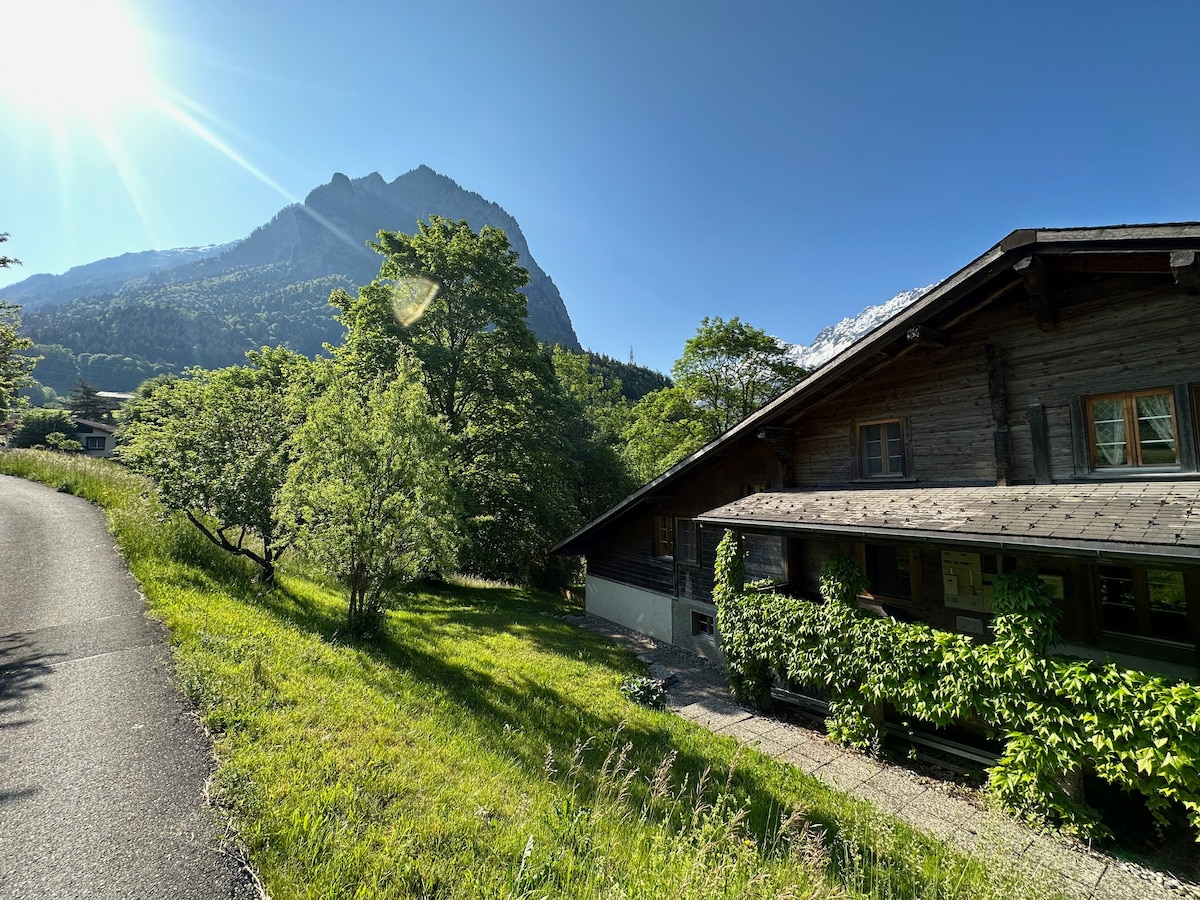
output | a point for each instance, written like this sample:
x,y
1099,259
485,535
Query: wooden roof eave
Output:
x,y
996,543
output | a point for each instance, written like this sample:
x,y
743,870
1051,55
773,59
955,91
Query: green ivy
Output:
x,y
1059,717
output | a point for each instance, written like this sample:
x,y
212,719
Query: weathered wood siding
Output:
x,y
1121,343
626,553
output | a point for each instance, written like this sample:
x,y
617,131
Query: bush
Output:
x,y
37,425
1059,717
644,690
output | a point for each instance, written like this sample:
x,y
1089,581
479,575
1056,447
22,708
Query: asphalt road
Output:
x,y
102,763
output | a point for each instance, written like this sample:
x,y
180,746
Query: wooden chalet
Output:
x,y
1039,407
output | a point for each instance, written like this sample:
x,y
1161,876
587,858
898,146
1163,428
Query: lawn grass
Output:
x,y
478,746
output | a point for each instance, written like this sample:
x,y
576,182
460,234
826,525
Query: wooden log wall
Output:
x,y
1126,342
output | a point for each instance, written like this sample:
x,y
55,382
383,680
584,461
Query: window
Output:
x,y
888,571
664,537
95,442
1132,430
685,540
764,558
1145,602
702,623
881,449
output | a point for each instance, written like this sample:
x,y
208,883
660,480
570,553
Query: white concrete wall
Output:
x,y
642,610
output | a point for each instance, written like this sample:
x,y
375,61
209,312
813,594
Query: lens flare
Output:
x,y
411,297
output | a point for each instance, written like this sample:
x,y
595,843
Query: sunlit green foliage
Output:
x,y
727,371
1059,717
485,375
594,413
664,427
479,747
217,446
730,369
37,425
367,496
15,367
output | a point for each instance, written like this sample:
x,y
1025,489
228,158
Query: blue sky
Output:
x,y
786,162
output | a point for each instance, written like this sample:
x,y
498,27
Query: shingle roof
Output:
x,y
1139,518
97,426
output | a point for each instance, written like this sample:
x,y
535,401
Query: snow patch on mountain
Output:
x,y
833,339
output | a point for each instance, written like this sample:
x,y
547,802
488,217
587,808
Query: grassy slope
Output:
x,y
479,747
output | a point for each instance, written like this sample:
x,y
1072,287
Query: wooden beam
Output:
x,y
1113,263
779,439
1036,278
997,392
1040,438
998,396
924,336
1185,266
1003,457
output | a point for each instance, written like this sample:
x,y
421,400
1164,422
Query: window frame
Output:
x,y
1143,641
861,472
1132,441
687,552
94,442
902,552
704,625
663,537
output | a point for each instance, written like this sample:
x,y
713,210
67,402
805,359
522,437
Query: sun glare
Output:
x,y
75,58
85,62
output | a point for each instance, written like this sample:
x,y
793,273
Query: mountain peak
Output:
x,y
833,339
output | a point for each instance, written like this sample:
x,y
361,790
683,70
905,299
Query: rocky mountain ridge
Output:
x,y
304,244
833,339
105,276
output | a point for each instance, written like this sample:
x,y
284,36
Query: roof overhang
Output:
x,y
1151,520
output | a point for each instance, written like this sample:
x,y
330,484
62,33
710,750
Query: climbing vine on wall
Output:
x,y
1059,717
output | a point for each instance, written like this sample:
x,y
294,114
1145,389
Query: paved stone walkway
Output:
x,y
699,691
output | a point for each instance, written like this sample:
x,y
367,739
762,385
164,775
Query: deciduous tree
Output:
x,y
730,369
368,497
664,427
15,367
217,445
450,296
37,425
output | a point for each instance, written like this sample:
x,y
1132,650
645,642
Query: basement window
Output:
x,y
704,624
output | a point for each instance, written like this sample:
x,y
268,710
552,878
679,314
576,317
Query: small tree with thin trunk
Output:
x,y
368,497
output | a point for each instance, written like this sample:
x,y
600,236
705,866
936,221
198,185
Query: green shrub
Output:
x,y
644,690
1059,717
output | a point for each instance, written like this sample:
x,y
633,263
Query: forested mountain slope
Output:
x,y
119,321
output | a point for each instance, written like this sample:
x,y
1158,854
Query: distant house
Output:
x,y
97,438
1039,407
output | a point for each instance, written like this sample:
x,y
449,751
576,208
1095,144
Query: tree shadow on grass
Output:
x,y
524,718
